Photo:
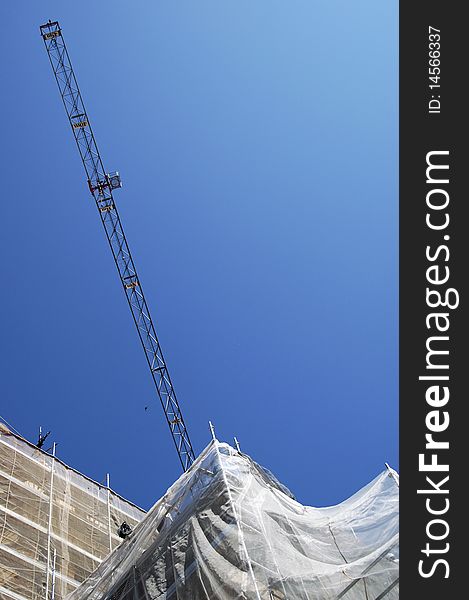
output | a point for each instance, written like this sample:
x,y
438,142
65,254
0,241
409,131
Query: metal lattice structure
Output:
x,y
101,185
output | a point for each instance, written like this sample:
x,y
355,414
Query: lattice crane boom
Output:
x,y
101,185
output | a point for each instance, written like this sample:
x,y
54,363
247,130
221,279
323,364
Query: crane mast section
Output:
x,y
101,185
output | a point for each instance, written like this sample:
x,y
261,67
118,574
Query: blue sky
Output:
x,y
257,142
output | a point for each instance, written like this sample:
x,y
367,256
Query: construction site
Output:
x,y
227,528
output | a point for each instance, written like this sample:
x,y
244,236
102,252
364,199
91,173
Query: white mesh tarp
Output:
x,y
227,529
55,523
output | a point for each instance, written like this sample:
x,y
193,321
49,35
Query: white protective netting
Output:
x,y
56,525
227,529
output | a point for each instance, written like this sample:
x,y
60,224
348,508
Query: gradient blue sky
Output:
x,y
257,141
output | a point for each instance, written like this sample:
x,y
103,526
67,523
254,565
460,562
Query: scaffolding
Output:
x,y
227,529
56,525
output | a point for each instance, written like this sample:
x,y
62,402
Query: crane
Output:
x,y
101,185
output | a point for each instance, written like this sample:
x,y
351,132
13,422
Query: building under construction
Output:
x,y
56,525
226,529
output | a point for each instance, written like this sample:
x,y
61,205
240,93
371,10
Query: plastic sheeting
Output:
x,y
227,530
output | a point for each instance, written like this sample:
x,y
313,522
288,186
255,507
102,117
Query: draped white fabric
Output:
x,y
227,529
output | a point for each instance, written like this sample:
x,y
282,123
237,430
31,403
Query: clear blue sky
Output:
x,y
257,141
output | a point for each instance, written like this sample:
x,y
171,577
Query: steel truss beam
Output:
x,y
101,185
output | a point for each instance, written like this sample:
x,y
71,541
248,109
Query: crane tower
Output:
x,y
101,185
